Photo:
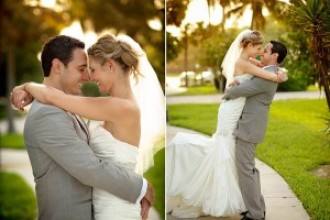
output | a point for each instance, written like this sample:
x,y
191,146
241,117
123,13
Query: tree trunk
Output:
x,y
323,73
224,18
186,55
10,84
321,63
258,20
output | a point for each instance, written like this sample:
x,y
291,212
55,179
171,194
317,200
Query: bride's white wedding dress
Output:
x,y
108,148
201,177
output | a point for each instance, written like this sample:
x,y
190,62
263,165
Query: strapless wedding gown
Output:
x,y
106,147
201,176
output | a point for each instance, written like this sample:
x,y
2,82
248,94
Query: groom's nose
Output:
x,y
85,76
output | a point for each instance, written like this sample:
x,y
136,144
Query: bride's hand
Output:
x,y
281,75
20,98
233,83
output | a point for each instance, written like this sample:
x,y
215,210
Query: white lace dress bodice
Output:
x,y
230,110
201,176
106,147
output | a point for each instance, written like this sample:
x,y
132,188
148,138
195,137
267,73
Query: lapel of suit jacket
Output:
x,y
82,125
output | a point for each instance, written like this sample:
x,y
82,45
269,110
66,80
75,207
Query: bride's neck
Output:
x,y
244,55
122,89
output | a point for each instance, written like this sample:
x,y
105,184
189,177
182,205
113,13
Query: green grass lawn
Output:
x,y
294,145
12,141
199,90
156,175
17,200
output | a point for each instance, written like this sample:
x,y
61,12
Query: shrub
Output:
x,y
17,200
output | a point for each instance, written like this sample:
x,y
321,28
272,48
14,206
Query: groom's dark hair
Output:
x,y
60,47
280,49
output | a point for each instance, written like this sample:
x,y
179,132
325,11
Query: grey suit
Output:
x,y
65,168
251,130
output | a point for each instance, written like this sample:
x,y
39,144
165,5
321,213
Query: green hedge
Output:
x,y
17,199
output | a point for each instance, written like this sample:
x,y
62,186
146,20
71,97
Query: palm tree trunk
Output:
x,y
10,84
321,63
209,4
186,55
323,70
258,20
224,18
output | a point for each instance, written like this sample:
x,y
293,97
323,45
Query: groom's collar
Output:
x,y
269,66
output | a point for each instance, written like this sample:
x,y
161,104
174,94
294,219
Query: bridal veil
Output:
x,y
233,53
151,100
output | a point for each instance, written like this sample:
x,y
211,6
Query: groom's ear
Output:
x,y
275,55
57,65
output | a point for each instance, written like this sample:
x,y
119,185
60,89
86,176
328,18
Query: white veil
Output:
x,y
151,100
233,53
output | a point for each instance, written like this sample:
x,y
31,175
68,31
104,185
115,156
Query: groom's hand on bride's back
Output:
x,y
150,194
145,208
147,201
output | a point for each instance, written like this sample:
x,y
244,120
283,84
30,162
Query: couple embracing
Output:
x,y
82,174
217,176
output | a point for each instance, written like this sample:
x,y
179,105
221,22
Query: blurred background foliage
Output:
x,y
304,26
26,24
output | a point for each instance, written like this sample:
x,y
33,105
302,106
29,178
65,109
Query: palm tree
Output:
x,y
176,11
314,16
258,19
224,4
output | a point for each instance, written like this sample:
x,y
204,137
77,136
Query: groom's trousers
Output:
x,y
249,179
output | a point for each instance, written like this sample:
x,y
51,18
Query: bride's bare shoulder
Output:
x,y
240,66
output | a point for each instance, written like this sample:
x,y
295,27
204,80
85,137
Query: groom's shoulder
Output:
x,y
39,109
271,68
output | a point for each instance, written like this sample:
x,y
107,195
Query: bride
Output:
x,y
201,177
133,114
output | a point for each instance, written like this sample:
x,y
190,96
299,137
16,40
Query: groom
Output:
x,y
64,167
251,128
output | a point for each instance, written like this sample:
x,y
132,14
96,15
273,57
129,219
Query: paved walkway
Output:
x,y
281,202
216,98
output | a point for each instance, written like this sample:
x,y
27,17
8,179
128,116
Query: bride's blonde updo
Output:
x,y
109,47
254,37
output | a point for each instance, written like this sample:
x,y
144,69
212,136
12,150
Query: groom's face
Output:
x,y
267,56
75,73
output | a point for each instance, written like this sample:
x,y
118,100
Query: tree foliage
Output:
x,y
298,62
25,25
22,25
176,11
314,17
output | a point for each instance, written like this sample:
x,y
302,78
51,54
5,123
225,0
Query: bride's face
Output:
x,y
255,50
101,74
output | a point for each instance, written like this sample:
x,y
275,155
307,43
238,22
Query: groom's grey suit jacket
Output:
x,y
259,93
65,168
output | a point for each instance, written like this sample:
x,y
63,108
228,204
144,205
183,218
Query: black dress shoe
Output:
x,y
244,213
247,218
